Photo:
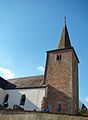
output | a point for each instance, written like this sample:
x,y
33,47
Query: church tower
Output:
x,y
61,75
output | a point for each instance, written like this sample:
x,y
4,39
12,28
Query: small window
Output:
x,y
23,98
58,57
6,98
5,103
59,107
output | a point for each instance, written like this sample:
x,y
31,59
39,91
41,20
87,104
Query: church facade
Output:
x,y
55,91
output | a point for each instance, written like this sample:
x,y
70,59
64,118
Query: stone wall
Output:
x,y
33,98
75,84
60,72
17,115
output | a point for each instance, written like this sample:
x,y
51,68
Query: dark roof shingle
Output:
x,y
25,82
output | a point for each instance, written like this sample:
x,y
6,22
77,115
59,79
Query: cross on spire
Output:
x,y
64,40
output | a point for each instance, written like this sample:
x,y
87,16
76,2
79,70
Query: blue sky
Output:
x,y
30,27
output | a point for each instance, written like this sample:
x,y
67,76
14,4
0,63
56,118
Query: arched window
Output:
x,y
5,103
59,107
23,98
58,57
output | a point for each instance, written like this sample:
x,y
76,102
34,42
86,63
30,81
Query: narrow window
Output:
x,y
59,107
58,57
5,103
23,98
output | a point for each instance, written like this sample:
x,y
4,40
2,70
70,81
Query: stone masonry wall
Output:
x,y
16,115
75,86
59,78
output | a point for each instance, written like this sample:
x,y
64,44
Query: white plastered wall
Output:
x,y
2,95
33,98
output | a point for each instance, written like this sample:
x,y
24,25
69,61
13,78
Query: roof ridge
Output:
x,y
26,77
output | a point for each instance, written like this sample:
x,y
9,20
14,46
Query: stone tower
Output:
x,y
61,75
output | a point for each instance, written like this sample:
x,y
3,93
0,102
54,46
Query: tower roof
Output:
x,y
64,40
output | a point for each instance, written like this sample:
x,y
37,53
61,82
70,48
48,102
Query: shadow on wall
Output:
x,y
59,101
14,100
12,96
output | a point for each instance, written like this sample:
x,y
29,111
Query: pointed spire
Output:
x,y
64,40
65,19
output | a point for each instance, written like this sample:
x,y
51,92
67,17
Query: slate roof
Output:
x,y
4,83
26,82
64,40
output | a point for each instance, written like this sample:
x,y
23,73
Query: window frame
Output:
x,y
5,103
23,99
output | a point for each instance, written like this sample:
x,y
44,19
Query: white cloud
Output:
x,y
86,99
6,73
40,69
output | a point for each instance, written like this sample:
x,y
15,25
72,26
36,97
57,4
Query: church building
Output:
x,y
56,91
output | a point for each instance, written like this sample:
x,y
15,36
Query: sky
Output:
x,y
28,28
